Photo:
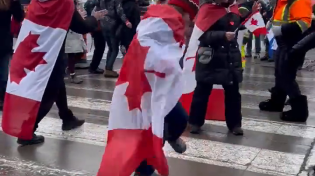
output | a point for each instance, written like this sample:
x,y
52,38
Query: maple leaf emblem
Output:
x,y
254,22
24,60
132,71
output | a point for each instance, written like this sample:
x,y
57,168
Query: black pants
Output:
x,y
175,125
55,92
267,46
99,44
113,48
286,67
127,36
4,73
232,100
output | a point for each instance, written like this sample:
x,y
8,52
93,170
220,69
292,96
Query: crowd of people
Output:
x,y
113,23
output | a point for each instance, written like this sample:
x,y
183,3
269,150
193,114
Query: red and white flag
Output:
x,y
149,86
41,37
203,22
255,24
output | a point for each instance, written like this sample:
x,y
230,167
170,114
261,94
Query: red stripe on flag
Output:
x,y
19,116
260,31
126,149
158,74
55,14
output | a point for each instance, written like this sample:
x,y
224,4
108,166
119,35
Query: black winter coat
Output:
x,y
225,66
6,38
132,12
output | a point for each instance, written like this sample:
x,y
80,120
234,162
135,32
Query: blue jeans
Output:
x,y
4,73
113,48
175,125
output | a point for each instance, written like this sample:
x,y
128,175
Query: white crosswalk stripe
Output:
x,y
209,152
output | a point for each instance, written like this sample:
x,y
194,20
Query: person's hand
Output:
x,y
230,36
82,13
265,13
268,25
256,7
99,14
128,24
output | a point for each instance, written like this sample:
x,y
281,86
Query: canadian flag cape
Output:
x,y
149,86
203,22
41,37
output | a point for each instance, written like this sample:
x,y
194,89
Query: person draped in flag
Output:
x,y
290,21
218,61
36,79
145,111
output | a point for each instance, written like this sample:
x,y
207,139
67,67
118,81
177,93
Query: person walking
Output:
x,y
75,47
289,24
8,8
109,27
98,39
29,97
132,12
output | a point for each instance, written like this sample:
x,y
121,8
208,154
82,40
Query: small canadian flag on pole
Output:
x,y
255,24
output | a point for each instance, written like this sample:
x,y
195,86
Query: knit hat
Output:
x,y
189,6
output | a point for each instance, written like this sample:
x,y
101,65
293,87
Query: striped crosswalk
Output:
x,y
269,146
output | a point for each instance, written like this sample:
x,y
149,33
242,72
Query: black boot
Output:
x,y
275,103
299,110
265,58
237,131
70,122
178,145
37,139
194,129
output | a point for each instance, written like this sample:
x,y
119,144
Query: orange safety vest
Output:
x,y
290,11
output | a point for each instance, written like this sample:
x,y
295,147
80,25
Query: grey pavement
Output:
x,y
269,146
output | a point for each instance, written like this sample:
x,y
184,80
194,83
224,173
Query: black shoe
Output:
x,y
97,71
178,145
37,139
74,79
237,131
271,60
73,124
275,103
299,111
194,129
264,58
